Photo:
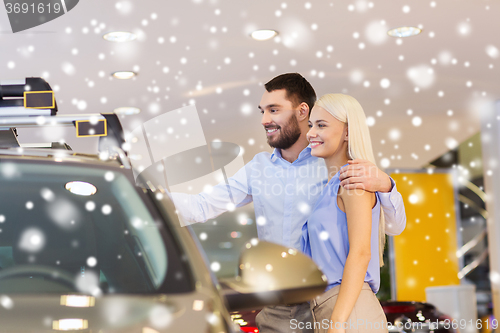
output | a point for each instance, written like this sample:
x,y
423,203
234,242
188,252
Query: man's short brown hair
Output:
x,y
297,88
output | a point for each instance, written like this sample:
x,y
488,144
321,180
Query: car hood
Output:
x,y
193,312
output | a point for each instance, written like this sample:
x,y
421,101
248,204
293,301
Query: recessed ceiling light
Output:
x,y
70,324
149,330
119,36
78,301
81,188
127,110
404,32
124,75
264,34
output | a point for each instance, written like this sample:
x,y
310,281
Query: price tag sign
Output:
x,y
39,100
84,128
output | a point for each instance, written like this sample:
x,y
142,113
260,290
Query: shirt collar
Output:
x,y
305,153
275,155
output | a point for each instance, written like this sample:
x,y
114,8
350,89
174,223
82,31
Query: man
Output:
x,y
285,185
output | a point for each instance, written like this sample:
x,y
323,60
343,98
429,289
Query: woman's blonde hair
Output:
x,y
359,145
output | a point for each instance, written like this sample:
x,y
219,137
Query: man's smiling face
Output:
x,y
279,118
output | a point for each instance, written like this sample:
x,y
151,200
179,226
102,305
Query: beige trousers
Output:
x,y
285,319
366,316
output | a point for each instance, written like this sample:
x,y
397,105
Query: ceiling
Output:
x,y
185,50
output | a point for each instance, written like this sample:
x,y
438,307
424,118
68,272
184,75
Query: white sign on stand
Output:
x,y
458,302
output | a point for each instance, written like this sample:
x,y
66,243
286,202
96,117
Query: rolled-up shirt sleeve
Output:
x,y
394,211
196,208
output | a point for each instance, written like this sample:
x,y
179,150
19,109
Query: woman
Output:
x,y
345,232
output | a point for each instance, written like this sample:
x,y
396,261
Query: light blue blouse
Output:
x,y
325,238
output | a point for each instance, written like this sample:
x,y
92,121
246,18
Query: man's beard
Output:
x,y
288,134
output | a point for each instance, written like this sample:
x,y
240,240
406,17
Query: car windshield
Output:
x,y
64,226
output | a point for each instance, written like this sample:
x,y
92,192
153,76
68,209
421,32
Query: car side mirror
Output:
x,y
271,274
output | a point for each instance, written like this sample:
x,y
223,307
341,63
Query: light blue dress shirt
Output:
x,y
283,195
325,238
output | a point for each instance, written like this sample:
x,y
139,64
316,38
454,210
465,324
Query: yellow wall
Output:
x,y
425,253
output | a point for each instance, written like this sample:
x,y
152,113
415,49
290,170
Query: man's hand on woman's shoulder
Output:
x,y
363,174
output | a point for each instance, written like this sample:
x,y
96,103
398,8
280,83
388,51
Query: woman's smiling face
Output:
x,y
327,135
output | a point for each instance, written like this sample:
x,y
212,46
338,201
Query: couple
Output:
x,y
294,167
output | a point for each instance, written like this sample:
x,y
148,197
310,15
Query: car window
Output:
x,y
142,228
52,240
225,237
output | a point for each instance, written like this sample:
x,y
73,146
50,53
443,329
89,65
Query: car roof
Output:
x,y
30,103
60,155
